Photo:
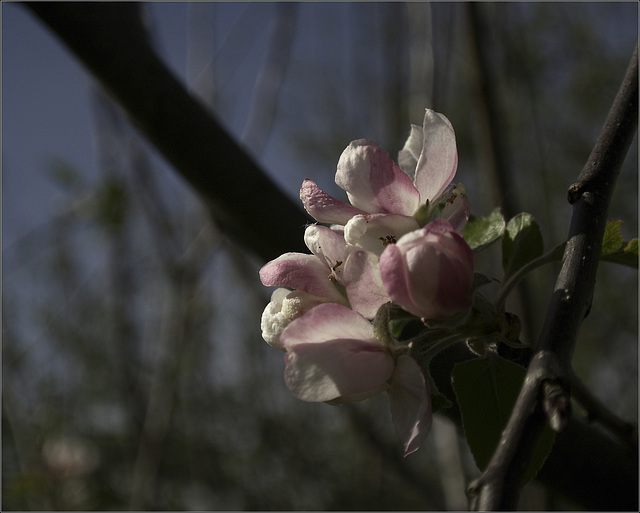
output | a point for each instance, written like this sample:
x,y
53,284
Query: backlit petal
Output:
x,y
438,160
410,153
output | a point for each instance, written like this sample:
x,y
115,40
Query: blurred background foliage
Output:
x,y
134,373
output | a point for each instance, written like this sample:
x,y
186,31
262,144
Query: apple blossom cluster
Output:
x,y
381,247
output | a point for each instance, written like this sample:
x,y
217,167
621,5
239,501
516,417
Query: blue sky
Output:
x,y
46,96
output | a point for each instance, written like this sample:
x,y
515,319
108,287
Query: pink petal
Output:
x,y
301,271
348,369
410,404
364,286
374,183
326,322
438,160
393,270
452,241
436,278
332,353
325,208
454,293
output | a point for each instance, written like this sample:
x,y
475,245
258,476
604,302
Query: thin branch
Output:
x,y
551,256
545,392
269,82
246,204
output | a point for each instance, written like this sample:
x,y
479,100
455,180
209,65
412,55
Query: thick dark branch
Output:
x,y
544,394
109,38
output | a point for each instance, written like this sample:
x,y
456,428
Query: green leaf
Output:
x,y
612,240
632,248
522,243
487,390
479,232
628,256
615,248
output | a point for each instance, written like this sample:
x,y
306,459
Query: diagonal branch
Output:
x,y
109,38
545,393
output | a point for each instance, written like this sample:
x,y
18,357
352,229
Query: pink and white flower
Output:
x,y
378,248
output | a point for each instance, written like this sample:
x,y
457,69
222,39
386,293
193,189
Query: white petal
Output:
x,y
373,232
329,245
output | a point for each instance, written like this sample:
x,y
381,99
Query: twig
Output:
x,y
498,487
269,81
597,411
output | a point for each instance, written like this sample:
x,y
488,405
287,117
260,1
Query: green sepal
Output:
x,y
381,328
423,214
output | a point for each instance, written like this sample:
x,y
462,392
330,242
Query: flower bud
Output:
x,y
429,272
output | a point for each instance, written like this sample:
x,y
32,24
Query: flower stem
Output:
x,y
555,254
